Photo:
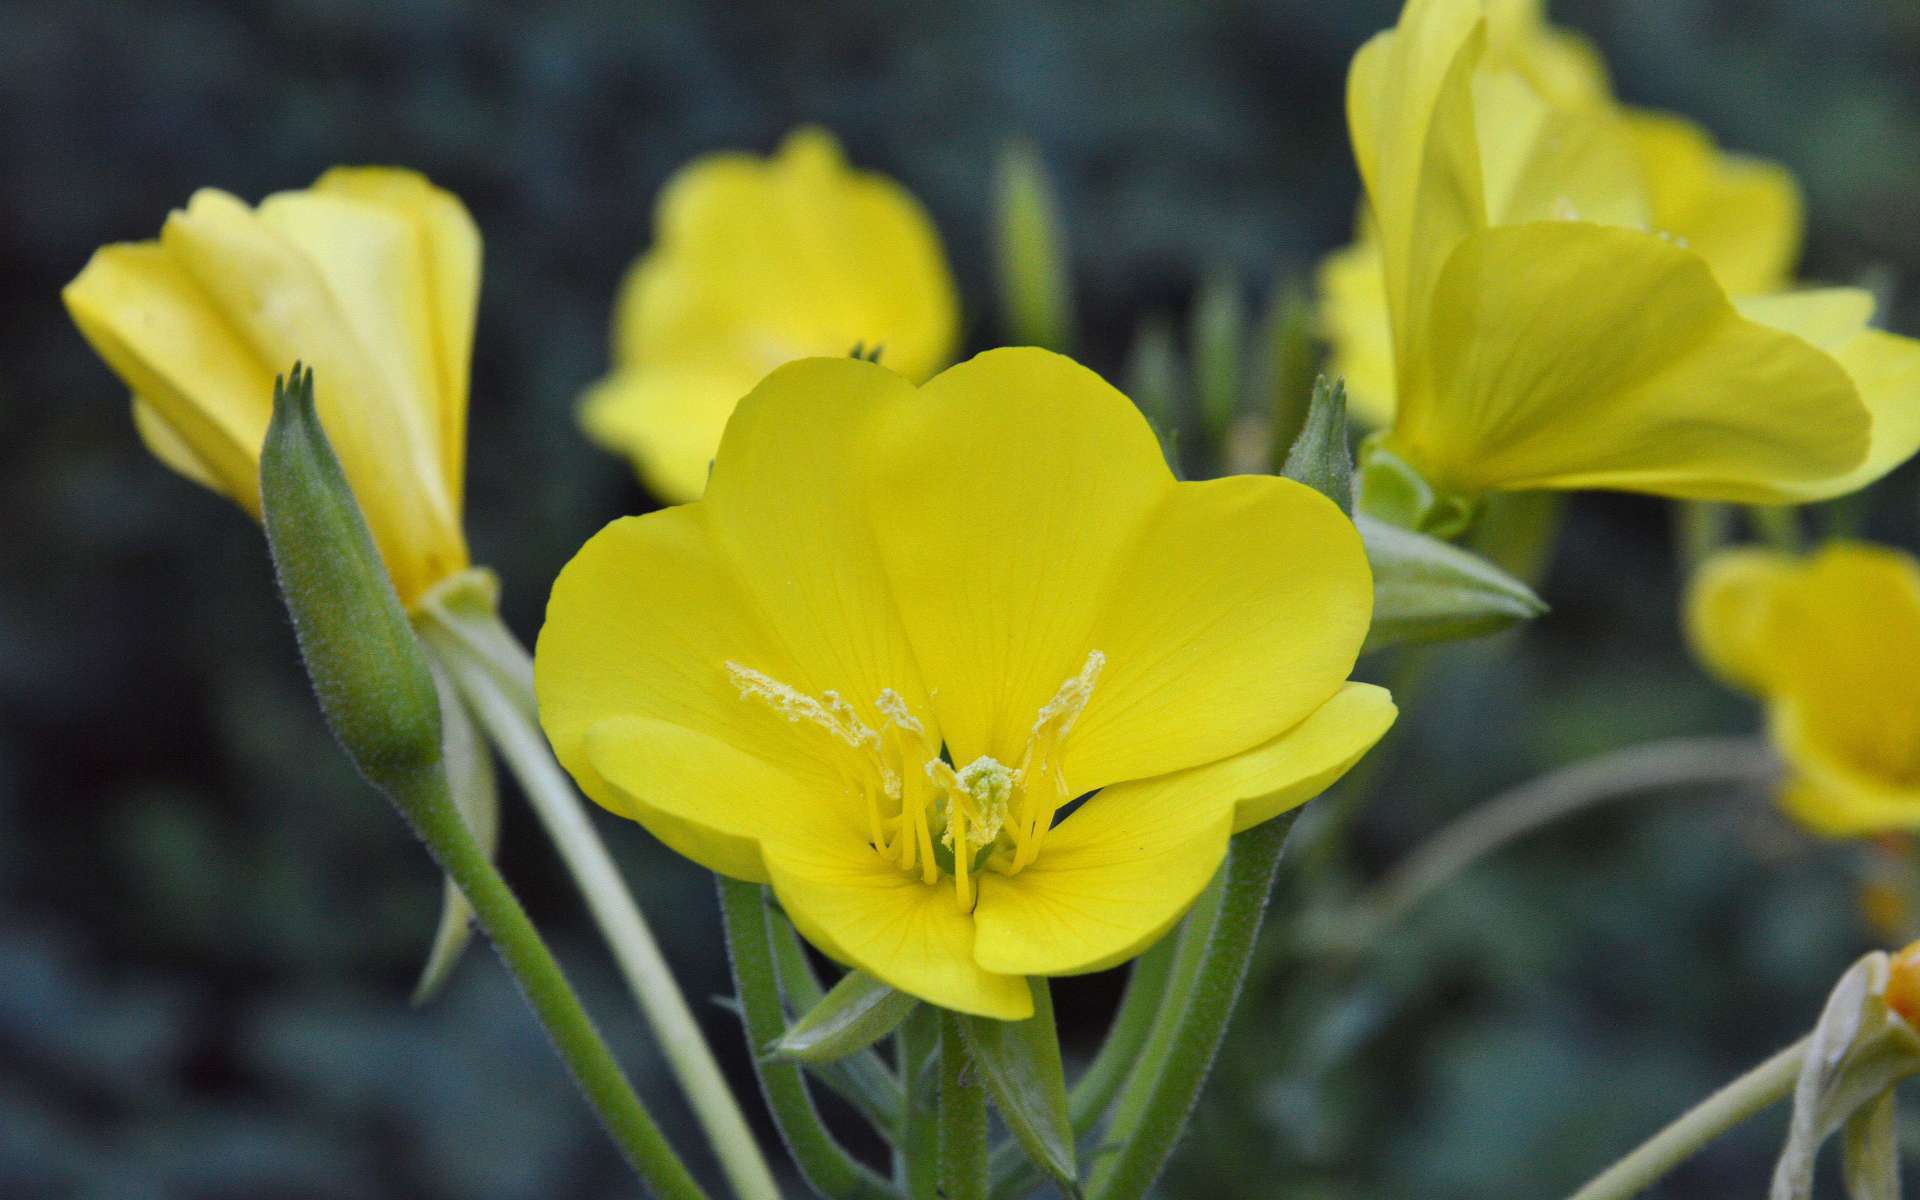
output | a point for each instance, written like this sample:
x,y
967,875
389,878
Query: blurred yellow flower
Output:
x,y
1551,292
1831,643
757,262
907,629
371,276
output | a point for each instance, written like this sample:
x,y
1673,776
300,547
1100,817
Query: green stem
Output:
x,y
495,675
1154,1105
1670,764
428,807
1700,528
918,1157
1765,1085
827,1168
963,1118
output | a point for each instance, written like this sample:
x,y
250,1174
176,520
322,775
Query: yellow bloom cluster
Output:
x,y
1551,291
907,629
1832,644
757,262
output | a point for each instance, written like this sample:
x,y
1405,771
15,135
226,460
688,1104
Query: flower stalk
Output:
x,y
376,689
493,672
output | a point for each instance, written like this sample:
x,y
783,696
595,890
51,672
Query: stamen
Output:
x,y
1071,700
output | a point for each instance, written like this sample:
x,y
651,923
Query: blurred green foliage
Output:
x,y
210,926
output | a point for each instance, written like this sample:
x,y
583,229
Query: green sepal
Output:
x,y
476,796
1427,590
369,672
1036,286
1319,457
856,1013
1019,1061
1392,490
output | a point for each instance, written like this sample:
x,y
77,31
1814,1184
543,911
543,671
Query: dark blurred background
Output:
x,y
209,926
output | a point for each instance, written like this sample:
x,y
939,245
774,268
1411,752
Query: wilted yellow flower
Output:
x,y
907,631
1831,643
1548,292
757,262
371,276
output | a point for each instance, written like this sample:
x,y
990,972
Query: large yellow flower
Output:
x,y
1832,644
1544,292
371,276
757,262
907,629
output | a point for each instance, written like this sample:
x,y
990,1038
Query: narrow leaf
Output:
x,y
1426,590
1020,1063
1036,289
859,1011
476,797
1218,338
1320,457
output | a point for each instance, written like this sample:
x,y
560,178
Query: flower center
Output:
x,y
923,814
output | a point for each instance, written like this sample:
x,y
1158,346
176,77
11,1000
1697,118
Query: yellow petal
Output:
x,y
1006,494
1844,643
1410,110
1117,873
865,912
1571,355
712,802
782,258
788,506
1884,369
168,445
640,627
1743,215
305,286
668,418
1238,609
1545,163
1561,66
1727,612
449,244
1354,320
1829,793
1114,877
163,335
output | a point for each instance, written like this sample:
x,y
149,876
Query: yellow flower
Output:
x,y
907,629
1831,643
1541,293
371,276
757,262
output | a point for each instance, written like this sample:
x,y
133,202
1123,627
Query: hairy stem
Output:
x,y
495,675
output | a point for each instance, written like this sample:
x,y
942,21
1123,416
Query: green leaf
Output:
x,y
1320,457
369,671
859,1011
1218,339
1156,382
477,798
1036,289
1020,1063
1427,590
